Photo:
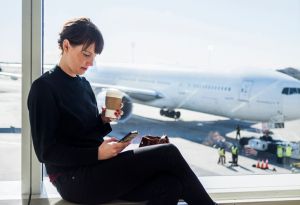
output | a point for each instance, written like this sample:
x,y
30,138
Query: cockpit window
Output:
x,y
285,91
290,91
293,91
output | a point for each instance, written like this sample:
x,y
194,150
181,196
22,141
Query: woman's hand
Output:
x,y
104,119
118,115
110,148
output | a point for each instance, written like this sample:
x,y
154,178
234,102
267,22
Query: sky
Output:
x,y
213,34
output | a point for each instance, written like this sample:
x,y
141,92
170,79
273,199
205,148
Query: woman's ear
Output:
x,y
66,45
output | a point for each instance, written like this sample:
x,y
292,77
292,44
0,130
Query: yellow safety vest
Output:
x,y
288,151
234,150
221,152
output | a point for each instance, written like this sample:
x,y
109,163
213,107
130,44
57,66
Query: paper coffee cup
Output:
x,y
113,102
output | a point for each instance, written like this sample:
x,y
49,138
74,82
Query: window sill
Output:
x,y
251,189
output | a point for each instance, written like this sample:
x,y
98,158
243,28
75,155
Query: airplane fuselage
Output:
x,y
249,96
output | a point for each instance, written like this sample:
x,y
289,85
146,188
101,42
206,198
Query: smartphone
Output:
x,y
129,136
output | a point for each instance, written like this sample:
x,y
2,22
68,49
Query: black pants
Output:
x,y
222,160
157,174
279,160
234,159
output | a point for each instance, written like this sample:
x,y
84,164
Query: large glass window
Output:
x,y
10,91
204,73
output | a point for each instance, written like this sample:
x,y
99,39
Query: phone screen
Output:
x,y
129,136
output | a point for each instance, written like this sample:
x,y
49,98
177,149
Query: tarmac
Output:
x,y
192,134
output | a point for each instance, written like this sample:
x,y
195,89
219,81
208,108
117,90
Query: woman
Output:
x,y
68,131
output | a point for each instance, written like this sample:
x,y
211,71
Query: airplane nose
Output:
x,y
291,106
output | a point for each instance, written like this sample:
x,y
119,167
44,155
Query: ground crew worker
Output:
x,y
234,152
279,153
238,132
222,158
288,154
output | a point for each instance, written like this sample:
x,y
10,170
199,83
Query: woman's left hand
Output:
x,y
118,115
104,119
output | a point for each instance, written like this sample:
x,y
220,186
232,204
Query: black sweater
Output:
x,y
65,122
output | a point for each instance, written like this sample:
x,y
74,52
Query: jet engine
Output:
x,y
127,105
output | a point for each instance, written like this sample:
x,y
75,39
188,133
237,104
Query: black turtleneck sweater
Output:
x,y
65,122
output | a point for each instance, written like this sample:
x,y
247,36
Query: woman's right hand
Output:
x,y
110,148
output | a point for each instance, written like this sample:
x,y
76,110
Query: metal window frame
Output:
x,y
32,61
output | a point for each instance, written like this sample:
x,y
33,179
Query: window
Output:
x,y
10,91
148,27
290,91
285,91
176,33
293,91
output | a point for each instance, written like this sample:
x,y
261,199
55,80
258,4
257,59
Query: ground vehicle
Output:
x,y
258,144
295,167
268,144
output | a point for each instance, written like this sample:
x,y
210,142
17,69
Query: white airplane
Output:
x,y
13,76
259,96
263,96
16,76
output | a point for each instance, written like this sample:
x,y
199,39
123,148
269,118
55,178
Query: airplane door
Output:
x,y
245,90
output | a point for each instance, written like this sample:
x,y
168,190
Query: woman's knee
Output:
x,y
168,148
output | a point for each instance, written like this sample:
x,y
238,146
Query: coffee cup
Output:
x,y
113,102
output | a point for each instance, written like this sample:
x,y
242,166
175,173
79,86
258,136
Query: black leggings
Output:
x,y
157,174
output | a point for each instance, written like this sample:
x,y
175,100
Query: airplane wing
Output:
x,y
16,76
13,76
136,93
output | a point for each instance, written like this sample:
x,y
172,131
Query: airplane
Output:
x,y
16,76
13,76
255,96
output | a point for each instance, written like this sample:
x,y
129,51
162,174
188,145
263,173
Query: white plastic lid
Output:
x,y
114,93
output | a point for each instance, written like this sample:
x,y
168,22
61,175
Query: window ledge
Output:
x,y
253,187
224,189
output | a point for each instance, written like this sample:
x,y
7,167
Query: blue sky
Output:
x,y
215,34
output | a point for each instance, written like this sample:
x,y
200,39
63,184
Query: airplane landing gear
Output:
x,y
170,113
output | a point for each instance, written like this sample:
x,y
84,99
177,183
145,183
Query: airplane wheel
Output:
x,y
177,115
172,113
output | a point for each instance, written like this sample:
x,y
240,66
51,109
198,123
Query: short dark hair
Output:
x,y
81,31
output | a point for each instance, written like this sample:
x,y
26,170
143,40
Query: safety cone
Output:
x,y
258,164
267,164
263,165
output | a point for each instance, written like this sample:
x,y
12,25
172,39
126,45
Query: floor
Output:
x,y
62,202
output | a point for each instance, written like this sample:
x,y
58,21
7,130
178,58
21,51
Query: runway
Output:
x,y
190,134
